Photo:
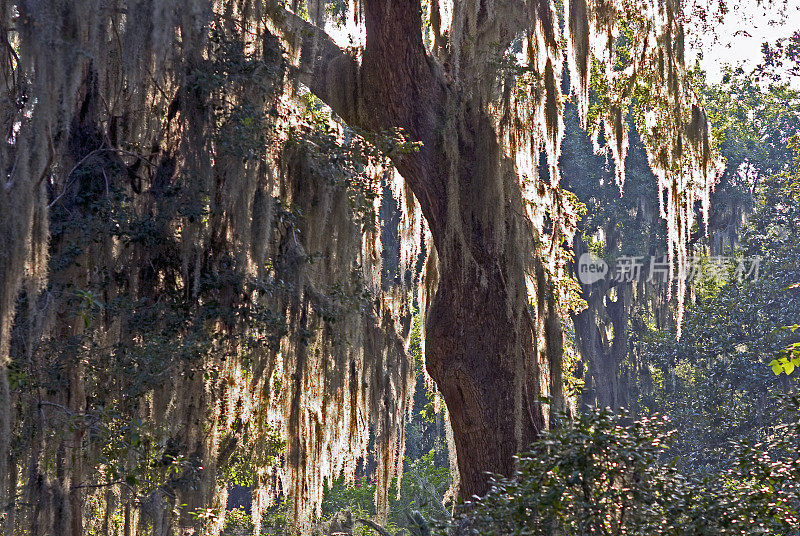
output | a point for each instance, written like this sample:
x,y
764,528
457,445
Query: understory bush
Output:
x,y
419,504
599,474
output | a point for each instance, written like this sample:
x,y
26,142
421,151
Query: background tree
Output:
x,y
717,382
753,126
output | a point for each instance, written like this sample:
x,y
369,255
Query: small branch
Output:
x,y
54,405
93,486
374,526
83,161
49,162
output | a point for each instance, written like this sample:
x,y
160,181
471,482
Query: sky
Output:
x,y
746,26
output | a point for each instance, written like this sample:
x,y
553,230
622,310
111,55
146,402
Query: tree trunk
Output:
x,y
601,336
491,392
602,357
491,353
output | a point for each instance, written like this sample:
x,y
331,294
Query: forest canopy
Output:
x,y
323,266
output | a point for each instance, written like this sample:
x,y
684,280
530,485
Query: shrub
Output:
x,y
600,475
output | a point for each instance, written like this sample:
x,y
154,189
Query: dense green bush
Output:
x,y
599,475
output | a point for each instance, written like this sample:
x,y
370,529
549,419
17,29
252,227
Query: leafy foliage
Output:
x,y
716,382
421,496
600,474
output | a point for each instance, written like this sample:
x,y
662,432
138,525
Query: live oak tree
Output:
x,y
188,263
614,226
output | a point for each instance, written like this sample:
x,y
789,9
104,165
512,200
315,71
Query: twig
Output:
x,y
104,485
374,526
74,168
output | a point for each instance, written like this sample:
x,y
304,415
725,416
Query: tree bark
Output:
x,y
491,353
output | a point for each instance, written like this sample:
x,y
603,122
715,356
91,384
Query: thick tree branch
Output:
x,y
400,84
391,84
495,33
402,87
328,71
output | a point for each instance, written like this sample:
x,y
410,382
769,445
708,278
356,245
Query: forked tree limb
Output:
x,y
329,72
390,84
489,367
